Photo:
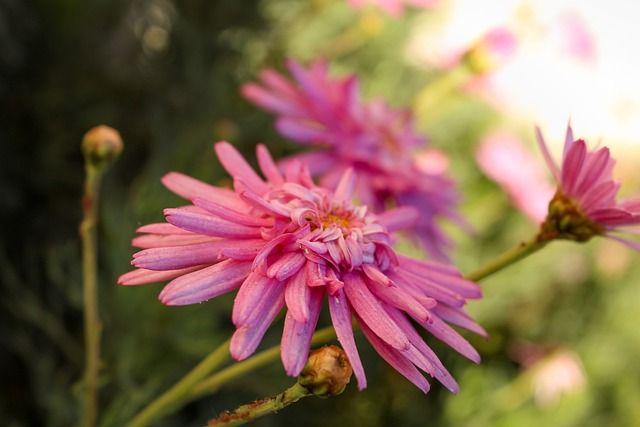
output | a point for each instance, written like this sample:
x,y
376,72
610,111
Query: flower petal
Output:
x,y
341,319
206,283
296,336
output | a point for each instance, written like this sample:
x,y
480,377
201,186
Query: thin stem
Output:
x,y
92,325
251,411
214,382
176,395
522,250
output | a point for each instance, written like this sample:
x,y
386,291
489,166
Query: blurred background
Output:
x,y
564,345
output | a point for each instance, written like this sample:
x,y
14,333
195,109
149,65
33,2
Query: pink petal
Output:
x,y
344,190
247,338
163,240
269,100
210,225
257,202
341,319
163,228
286,265
256,294
397,297
176,257
396,359
238,167
189,188
231,215
301,130
398,219
572,166
318,161
268,166
626,242
297,296
551,164
594,169
370,310
438,370
206,283
431,289
296,336
141,276
459,318
278,83
449,336
243,250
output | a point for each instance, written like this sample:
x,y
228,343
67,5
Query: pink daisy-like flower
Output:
x,y
285,242
585,202
378,142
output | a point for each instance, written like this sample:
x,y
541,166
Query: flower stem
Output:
x,y
214,382
251,411
177,394
92,325
101,146
522,250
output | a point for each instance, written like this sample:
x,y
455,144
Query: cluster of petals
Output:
x,y
394,7
586,178
375,140
286,244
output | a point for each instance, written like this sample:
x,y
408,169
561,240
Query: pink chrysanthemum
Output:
x,y
585,202
378,142
286,242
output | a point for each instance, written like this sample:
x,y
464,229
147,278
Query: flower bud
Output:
x,y
101,145
327,372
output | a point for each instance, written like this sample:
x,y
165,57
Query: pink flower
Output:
x,y
503,158
585,202
284,242
378,142
394,7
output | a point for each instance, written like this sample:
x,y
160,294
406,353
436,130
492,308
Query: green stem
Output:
x,y
513,255
175,396
247,413
92,325
214,382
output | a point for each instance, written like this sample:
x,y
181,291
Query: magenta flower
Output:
x,y
378,142
285,242
585,202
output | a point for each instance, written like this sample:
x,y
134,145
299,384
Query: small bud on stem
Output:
x,y
327,372
101,145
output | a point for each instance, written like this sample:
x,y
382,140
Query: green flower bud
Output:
x,y
101,146
327,372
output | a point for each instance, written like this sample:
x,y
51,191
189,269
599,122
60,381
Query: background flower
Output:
x,y
378,142
585,203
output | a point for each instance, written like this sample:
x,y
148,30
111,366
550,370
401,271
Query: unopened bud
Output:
x,y
101,145
327,372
